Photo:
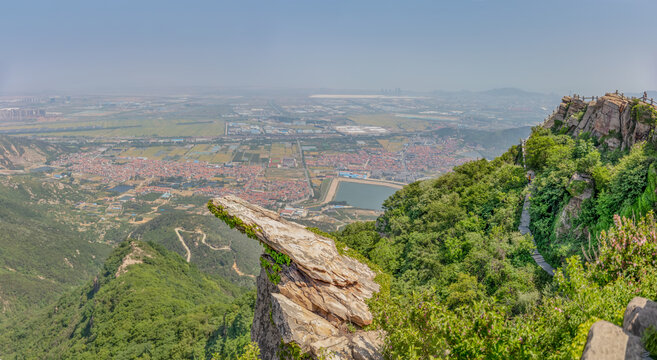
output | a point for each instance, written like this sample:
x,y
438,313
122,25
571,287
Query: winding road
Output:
x,y
223,248
237,270
178,231
182,241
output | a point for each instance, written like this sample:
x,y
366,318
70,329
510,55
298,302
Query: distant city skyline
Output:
x,y
551,47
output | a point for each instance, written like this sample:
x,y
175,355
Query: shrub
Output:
x,y
644,113
628,249
650,341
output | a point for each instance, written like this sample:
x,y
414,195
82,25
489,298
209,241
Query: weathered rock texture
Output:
x,y
607,341
608,118
319,297
580,188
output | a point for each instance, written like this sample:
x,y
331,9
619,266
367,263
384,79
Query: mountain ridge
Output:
x,y
147,302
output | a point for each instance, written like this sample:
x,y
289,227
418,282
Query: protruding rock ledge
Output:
x,y
321,294
315,254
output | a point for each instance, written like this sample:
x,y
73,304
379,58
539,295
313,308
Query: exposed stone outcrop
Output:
x,y
569,107
607,341
135,256
608,117
319,303
639,315
580,188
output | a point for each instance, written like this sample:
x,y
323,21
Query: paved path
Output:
x,y
525,220
524,229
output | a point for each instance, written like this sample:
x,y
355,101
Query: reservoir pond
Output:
x,y
365,196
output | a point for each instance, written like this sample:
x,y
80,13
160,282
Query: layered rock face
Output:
x,y
580,188
608,118
607,341
317,302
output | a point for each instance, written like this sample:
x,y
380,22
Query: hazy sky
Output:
x,y
587,46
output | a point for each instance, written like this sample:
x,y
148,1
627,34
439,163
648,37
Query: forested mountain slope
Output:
x,y
455,278
42,253
147,303
213,247
464,284
593,160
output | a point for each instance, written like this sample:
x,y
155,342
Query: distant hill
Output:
x,y
492,143
147,303
510,92
19,153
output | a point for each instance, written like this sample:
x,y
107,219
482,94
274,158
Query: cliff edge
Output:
x,y
311,299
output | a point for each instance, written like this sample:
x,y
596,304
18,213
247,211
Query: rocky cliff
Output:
x,y
311,299
607,341
618,121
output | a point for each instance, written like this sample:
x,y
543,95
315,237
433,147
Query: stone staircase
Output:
x,y
607,341
524,229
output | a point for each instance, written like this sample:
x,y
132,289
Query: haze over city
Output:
x,y
549,46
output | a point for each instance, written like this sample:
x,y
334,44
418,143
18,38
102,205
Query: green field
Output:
x,y
129,127
391,122
286,174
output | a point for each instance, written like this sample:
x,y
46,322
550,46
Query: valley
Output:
x,y
479,240
328,180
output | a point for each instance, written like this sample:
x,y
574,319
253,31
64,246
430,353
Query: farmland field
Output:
x,y
284,173
123,128
393,144
391,122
